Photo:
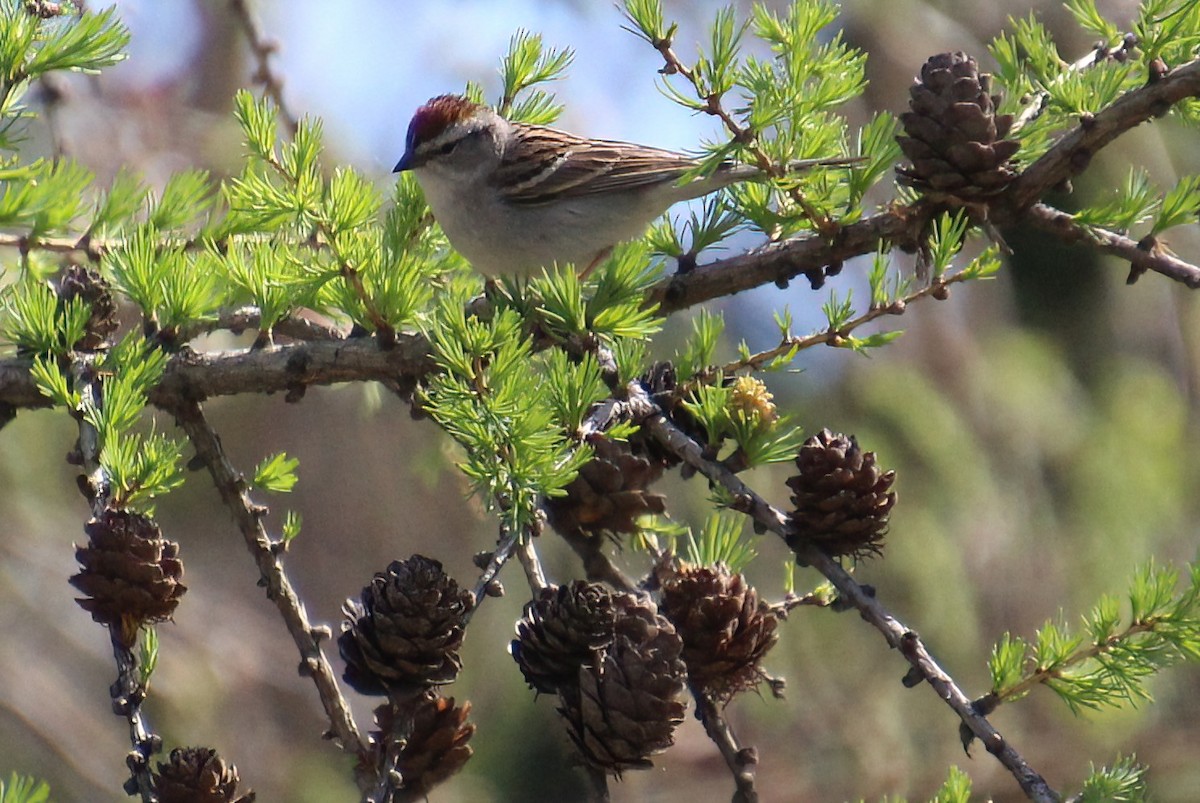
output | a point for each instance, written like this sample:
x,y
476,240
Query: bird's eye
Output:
x,y
449,146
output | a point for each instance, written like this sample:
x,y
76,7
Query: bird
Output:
x,y
513,197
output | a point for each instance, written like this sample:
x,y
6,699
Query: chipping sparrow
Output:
x,y
513,197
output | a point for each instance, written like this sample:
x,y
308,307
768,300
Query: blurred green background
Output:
x,y
1042,426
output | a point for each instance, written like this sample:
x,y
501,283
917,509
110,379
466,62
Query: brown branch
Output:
x,y
779,263
913,649
740,760
1071,154
534,575
249,518
128,694
504,550
290,368
897,635
1149,254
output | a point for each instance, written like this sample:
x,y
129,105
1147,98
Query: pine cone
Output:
x,y
726,630
841,497
130,573
609,493
954,137
432,734
80,282
406,630
627,703
197,775
561,630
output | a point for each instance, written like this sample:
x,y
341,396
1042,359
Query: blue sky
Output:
x,y
365,72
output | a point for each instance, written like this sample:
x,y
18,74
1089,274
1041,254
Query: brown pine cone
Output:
x,y
560,631
80,282
197,775
954,138
610,492
430,734
628,700
726,630
841,498
406,629
130,573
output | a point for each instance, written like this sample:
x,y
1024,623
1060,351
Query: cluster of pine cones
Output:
x,y
619,664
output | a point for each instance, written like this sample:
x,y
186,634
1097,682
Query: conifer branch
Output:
x,y
897,635
1148,254
232,487
128,692
1073,152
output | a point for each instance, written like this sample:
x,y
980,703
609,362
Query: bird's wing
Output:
x,y
542,164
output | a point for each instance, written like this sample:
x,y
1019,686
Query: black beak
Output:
x,y
405,163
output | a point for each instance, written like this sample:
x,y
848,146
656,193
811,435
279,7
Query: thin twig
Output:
x,y
711,104
740,760
532,566
390,780
128,692
56,245
249,517
1061,668
895,632
793,601
1037,104
504,550
1148,254
829,337
263,48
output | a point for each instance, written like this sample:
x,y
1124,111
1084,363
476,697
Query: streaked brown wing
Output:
x,y
538,168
